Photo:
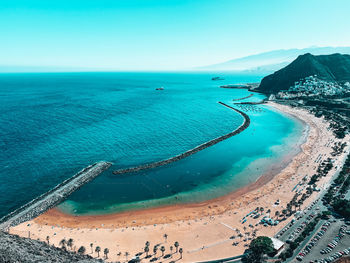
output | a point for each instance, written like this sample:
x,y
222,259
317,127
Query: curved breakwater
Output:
x,y
203,146
246,97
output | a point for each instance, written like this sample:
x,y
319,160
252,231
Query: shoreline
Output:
x,y
272,171
203,229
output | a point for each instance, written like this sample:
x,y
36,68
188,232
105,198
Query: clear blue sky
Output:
x,y
162,34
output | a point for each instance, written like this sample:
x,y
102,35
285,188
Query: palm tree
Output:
x,y
155,248
91,245
176,245
254,233
81,250
97,250
180,251
146,251
284,212
147,244
163,250
48,240
165,237
70,243
171,249
106,251
277,213
63,243
126,255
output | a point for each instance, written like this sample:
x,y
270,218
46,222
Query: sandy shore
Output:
x,y
204,229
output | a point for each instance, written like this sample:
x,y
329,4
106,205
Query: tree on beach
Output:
x,y
284,212
300,202
91,245
257,249
147,244
176,245
163,250
81,250
97,250
63,243
146,249
126,255
180,251
165,237
155,248
254,233
48,240
106,251
70,243
277,213
289,208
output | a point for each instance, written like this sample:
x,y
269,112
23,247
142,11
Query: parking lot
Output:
x,y
295,226
325,242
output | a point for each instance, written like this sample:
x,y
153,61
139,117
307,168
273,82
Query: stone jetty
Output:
x,y
242,127
53,197
246,97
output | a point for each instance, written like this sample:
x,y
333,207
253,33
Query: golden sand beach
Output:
x,y
203,229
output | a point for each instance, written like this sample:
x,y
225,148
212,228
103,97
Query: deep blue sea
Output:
x,y
54,124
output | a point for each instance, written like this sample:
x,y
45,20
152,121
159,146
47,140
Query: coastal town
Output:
x,y
312,86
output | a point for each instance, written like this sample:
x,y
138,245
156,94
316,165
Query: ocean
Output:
x,y
54,124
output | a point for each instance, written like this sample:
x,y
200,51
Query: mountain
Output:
x,y
269,62
334,68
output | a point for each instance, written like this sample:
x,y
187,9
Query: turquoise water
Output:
x,y
53,125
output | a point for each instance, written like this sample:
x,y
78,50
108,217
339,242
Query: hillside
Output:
x,y
333,68
15,249
271,61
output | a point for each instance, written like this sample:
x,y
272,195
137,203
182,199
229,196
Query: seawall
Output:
x,y
53,197
246,97
203,146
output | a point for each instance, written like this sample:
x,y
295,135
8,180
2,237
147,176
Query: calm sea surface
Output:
x,y
52,125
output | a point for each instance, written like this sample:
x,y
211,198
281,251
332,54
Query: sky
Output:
x,y
161,34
